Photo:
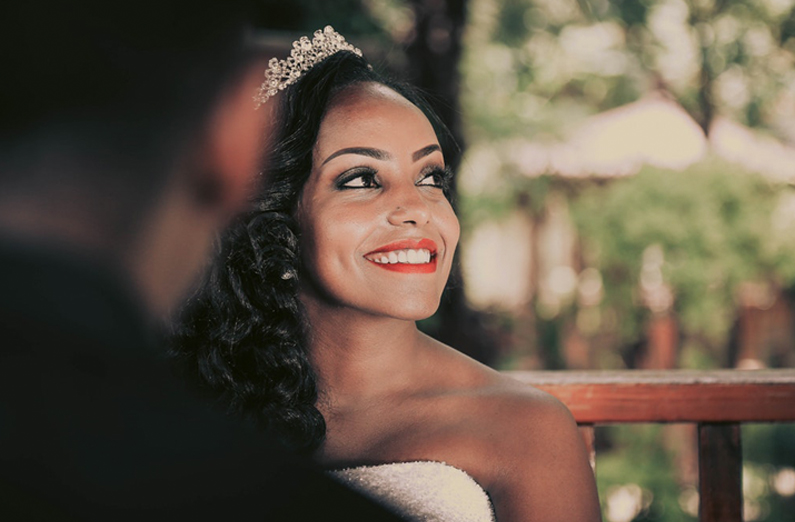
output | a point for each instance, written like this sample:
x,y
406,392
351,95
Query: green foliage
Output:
x,y
715,225
529,63
770,443
512,27
647,457
632,12
512,192
640,458
769,452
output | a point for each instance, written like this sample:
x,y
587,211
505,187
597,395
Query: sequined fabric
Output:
x,y
423,490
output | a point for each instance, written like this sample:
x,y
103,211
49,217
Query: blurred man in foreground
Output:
x,y
127,140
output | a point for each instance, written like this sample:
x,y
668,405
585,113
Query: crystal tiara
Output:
x,y
305,55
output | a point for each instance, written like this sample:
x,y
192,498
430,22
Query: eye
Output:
x,y
358,179
437,177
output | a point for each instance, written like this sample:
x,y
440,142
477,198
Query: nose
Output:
x,y
410,209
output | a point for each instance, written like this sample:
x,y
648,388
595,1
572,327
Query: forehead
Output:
x,y
373,115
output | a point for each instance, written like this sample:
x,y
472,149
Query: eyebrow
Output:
x,y
381,154
361,151
425,151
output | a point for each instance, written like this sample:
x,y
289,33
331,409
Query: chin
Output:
x,y
414,313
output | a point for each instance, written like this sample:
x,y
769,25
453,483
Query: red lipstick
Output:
x,y
406,268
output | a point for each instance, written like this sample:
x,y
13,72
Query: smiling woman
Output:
x,y
376,196
308,318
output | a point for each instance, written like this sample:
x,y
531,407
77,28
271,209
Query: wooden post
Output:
x,y
720,466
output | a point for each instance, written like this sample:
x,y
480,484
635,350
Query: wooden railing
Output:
x,y
717,401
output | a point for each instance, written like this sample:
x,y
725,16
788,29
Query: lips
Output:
x,y
407,256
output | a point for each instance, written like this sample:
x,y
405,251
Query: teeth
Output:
x,y
407,256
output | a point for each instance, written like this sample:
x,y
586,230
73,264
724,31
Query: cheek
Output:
x,y
449,226
330,241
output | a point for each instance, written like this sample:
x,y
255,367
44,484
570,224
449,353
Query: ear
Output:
x,y
238,135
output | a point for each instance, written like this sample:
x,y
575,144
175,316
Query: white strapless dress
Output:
x,y
421,490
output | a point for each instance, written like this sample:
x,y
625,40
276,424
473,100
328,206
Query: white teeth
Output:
x,y
407,256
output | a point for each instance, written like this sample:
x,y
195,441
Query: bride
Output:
x,y
307,321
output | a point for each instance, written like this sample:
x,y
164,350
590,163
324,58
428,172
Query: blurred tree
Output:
x,y
648,488
701,234
770,453
534,70
545,64
745,59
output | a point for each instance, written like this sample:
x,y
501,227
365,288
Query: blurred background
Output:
x,y
627,199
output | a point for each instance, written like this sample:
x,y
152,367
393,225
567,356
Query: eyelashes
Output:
x,y
358,178
367,178
438,177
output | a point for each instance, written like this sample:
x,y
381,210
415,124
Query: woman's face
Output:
x,y
378,234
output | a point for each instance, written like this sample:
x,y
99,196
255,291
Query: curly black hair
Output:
x,y
244,334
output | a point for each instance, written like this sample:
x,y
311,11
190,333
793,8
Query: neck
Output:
x,y
359,355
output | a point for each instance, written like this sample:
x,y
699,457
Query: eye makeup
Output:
x,y
366,177
439,175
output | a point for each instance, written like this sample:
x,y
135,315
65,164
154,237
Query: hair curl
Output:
x,y
243,333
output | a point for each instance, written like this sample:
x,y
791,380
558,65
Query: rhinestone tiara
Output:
x,y
305,55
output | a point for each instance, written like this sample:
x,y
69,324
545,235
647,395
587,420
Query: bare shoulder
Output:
x,y
522,425
498,397
508,417
524,447
529,423
536,464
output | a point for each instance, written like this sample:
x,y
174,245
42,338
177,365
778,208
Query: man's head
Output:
x,y
127,130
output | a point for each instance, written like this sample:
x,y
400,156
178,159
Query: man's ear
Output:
x,y
238,136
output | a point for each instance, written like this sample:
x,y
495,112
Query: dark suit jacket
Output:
x,y
94,425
